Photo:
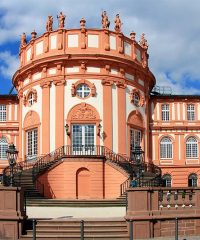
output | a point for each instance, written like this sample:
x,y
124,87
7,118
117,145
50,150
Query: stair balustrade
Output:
x,y
42,163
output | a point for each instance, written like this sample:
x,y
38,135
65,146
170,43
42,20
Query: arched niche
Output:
x,y
83,183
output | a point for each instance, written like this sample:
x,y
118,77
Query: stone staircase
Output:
x,y
100,229
26,173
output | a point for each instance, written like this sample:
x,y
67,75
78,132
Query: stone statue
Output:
x,y
49,24
23,40
105,22
61,20
118,23
82,23
143,42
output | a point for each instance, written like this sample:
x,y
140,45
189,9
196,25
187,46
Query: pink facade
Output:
x,y
82,87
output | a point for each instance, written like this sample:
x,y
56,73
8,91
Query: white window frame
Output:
x,y
3,148
136,99
83,90
194,180
168,179
32,143
135,139
190,112
192,148
3,113
165,112
83,138
31,99
166,148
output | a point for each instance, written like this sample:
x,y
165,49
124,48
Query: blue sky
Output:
x,y
172,28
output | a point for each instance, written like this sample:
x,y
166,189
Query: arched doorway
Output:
x,y
83,183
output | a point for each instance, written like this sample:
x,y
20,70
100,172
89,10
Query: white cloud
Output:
x,y
8,64
171,27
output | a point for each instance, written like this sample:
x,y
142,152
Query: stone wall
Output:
x,y
154,211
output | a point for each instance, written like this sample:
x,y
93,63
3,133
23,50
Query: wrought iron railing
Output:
x,y
43,162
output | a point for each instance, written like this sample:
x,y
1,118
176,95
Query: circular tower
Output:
x,y
83,87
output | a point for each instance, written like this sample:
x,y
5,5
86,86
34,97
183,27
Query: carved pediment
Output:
x,y
83,112
135,118
31,119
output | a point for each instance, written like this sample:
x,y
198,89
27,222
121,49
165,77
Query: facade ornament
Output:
x,y
106,82
143,42
118,23
24,100
105,22
23,40
93,90
49,24
73,90
137,98
83,66
132,35
82,23
84,112
33,35
61,20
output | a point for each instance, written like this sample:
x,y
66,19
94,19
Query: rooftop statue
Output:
x,y
23,40
143,42
82,23
118,23
105,22
49,24
61,20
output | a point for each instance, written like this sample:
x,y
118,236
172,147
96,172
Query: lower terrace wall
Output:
x,y
154,210
82,178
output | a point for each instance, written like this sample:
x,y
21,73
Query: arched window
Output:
x,y
191,148
165,148
3,148
136,99
167,180
30,99
192,180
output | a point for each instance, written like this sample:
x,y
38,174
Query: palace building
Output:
x,y
87,97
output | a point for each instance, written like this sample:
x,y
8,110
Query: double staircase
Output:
x,y
27,172
104,229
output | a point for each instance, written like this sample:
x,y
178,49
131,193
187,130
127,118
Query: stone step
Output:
x,y
77,237
78,202
105,229
75,232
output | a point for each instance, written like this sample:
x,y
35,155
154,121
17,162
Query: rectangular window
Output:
x,y
2,113
165,112
32,143
3,148
83,139
135,139
190,112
